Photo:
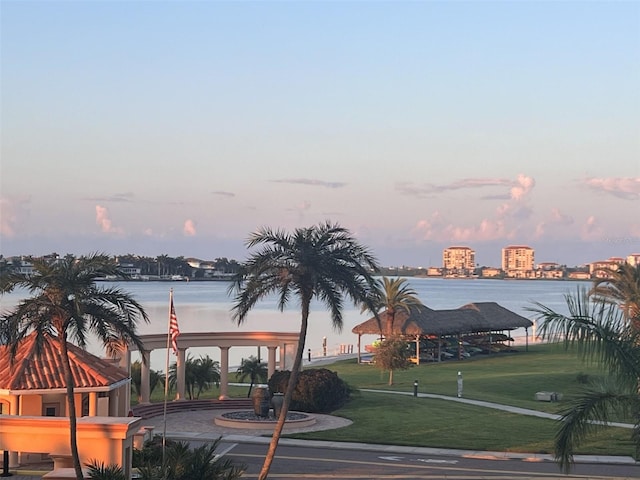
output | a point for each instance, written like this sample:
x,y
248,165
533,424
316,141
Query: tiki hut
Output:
x,y
481,318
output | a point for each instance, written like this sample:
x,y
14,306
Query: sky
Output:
x,y
178,128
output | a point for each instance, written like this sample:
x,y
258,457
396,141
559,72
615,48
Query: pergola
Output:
x,y
470,319
287,342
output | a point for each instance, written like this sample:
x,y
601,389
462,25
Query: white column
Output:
x,y
271,361
224,372
14,402
145,377
93,404
180,374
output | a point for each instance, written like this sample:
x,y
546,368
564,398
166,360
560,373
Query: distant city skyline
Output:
x,y
179,128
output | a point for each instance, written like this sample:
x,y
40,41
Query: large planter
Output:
x,y
276,403
260,399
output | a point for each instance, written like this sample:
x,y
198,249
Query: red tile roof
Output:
x,y
30,371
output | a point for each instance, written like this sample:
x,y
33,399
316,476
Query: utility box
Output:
x,y
548,396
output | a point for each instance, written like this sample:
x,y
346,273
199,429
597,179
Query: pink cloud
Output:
x,y
623,187
518,188
438,229
560,218
189,228
8,217
591,229
104,221
522,188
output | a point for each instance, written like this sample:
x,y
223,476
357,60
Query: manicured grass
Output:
x,y
405,420
510,379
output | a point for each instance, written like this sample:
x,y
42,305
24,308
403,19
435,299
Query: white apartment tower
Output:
x,y
517,260
459,260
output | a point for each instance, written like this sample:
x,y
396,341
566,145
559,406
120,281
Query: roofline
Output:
x,y
49,391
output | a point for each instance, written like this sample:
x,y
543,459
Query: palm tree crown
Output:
x,y
395,295
598,330
622,287
68,304
253,368
322,262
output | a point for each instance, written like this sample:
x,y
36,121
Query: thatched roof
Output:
x,y
471,318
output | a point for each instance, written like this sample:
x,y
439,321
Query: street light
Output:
x,y
415,388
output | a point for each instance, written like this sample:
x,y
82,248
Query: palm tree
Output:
x,y
622,287
183,462
598,330
155,378
253,368
322,262
199,375
394,295
68,304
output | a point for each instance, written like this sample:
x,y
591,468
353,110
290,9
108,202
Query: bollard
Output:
x,y
324,346
5,464
459,384
415,388
309,353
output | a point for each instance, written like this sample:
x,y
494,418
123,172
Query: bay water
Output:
x,y
206,307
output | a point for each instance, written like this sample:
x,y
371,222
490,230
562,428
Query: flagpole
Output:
x,y
166,379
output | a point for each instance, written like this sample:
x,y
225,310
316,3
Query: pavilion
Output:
x,y
470,319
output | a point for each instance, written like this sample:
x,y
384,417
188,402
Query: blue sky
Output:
x,y
180,127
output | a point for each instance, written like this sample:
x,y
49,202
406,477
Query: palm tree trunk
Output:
x,y
71,407
293,379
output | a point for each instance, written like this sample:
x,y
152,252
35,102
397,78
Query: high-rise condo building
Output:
x,y
459,260
518,261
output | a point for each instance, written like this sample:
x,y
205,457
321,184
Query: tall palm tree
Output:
x,y
622,287
253,368
598,330
323,262
68,304
393,296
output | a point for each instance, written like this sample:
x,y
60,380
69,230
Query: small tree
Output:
x,y
253,368
393,354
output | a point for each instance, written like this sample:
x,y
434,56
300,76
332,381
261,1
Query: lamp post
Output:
x,y
415,388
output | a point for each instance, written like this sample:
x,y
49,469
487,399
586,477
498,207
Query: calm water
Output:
x,y
205,306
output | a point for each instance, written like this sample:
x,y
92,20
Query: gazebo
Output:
x,y
472,319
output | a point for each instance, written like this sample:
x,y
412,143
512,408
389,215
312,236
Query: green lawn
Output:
x,y
510,379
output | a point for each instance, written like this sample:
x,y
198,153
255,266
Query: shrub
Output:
x,y
318,390
583,378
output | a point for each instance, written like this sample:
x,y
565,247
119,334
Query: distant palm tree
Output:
x,y
155,379
68,304
622,287
322,262
253,368
392,296
200,374
598,330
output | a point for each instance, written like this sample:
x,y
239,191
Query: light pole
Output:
x,y
415,388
